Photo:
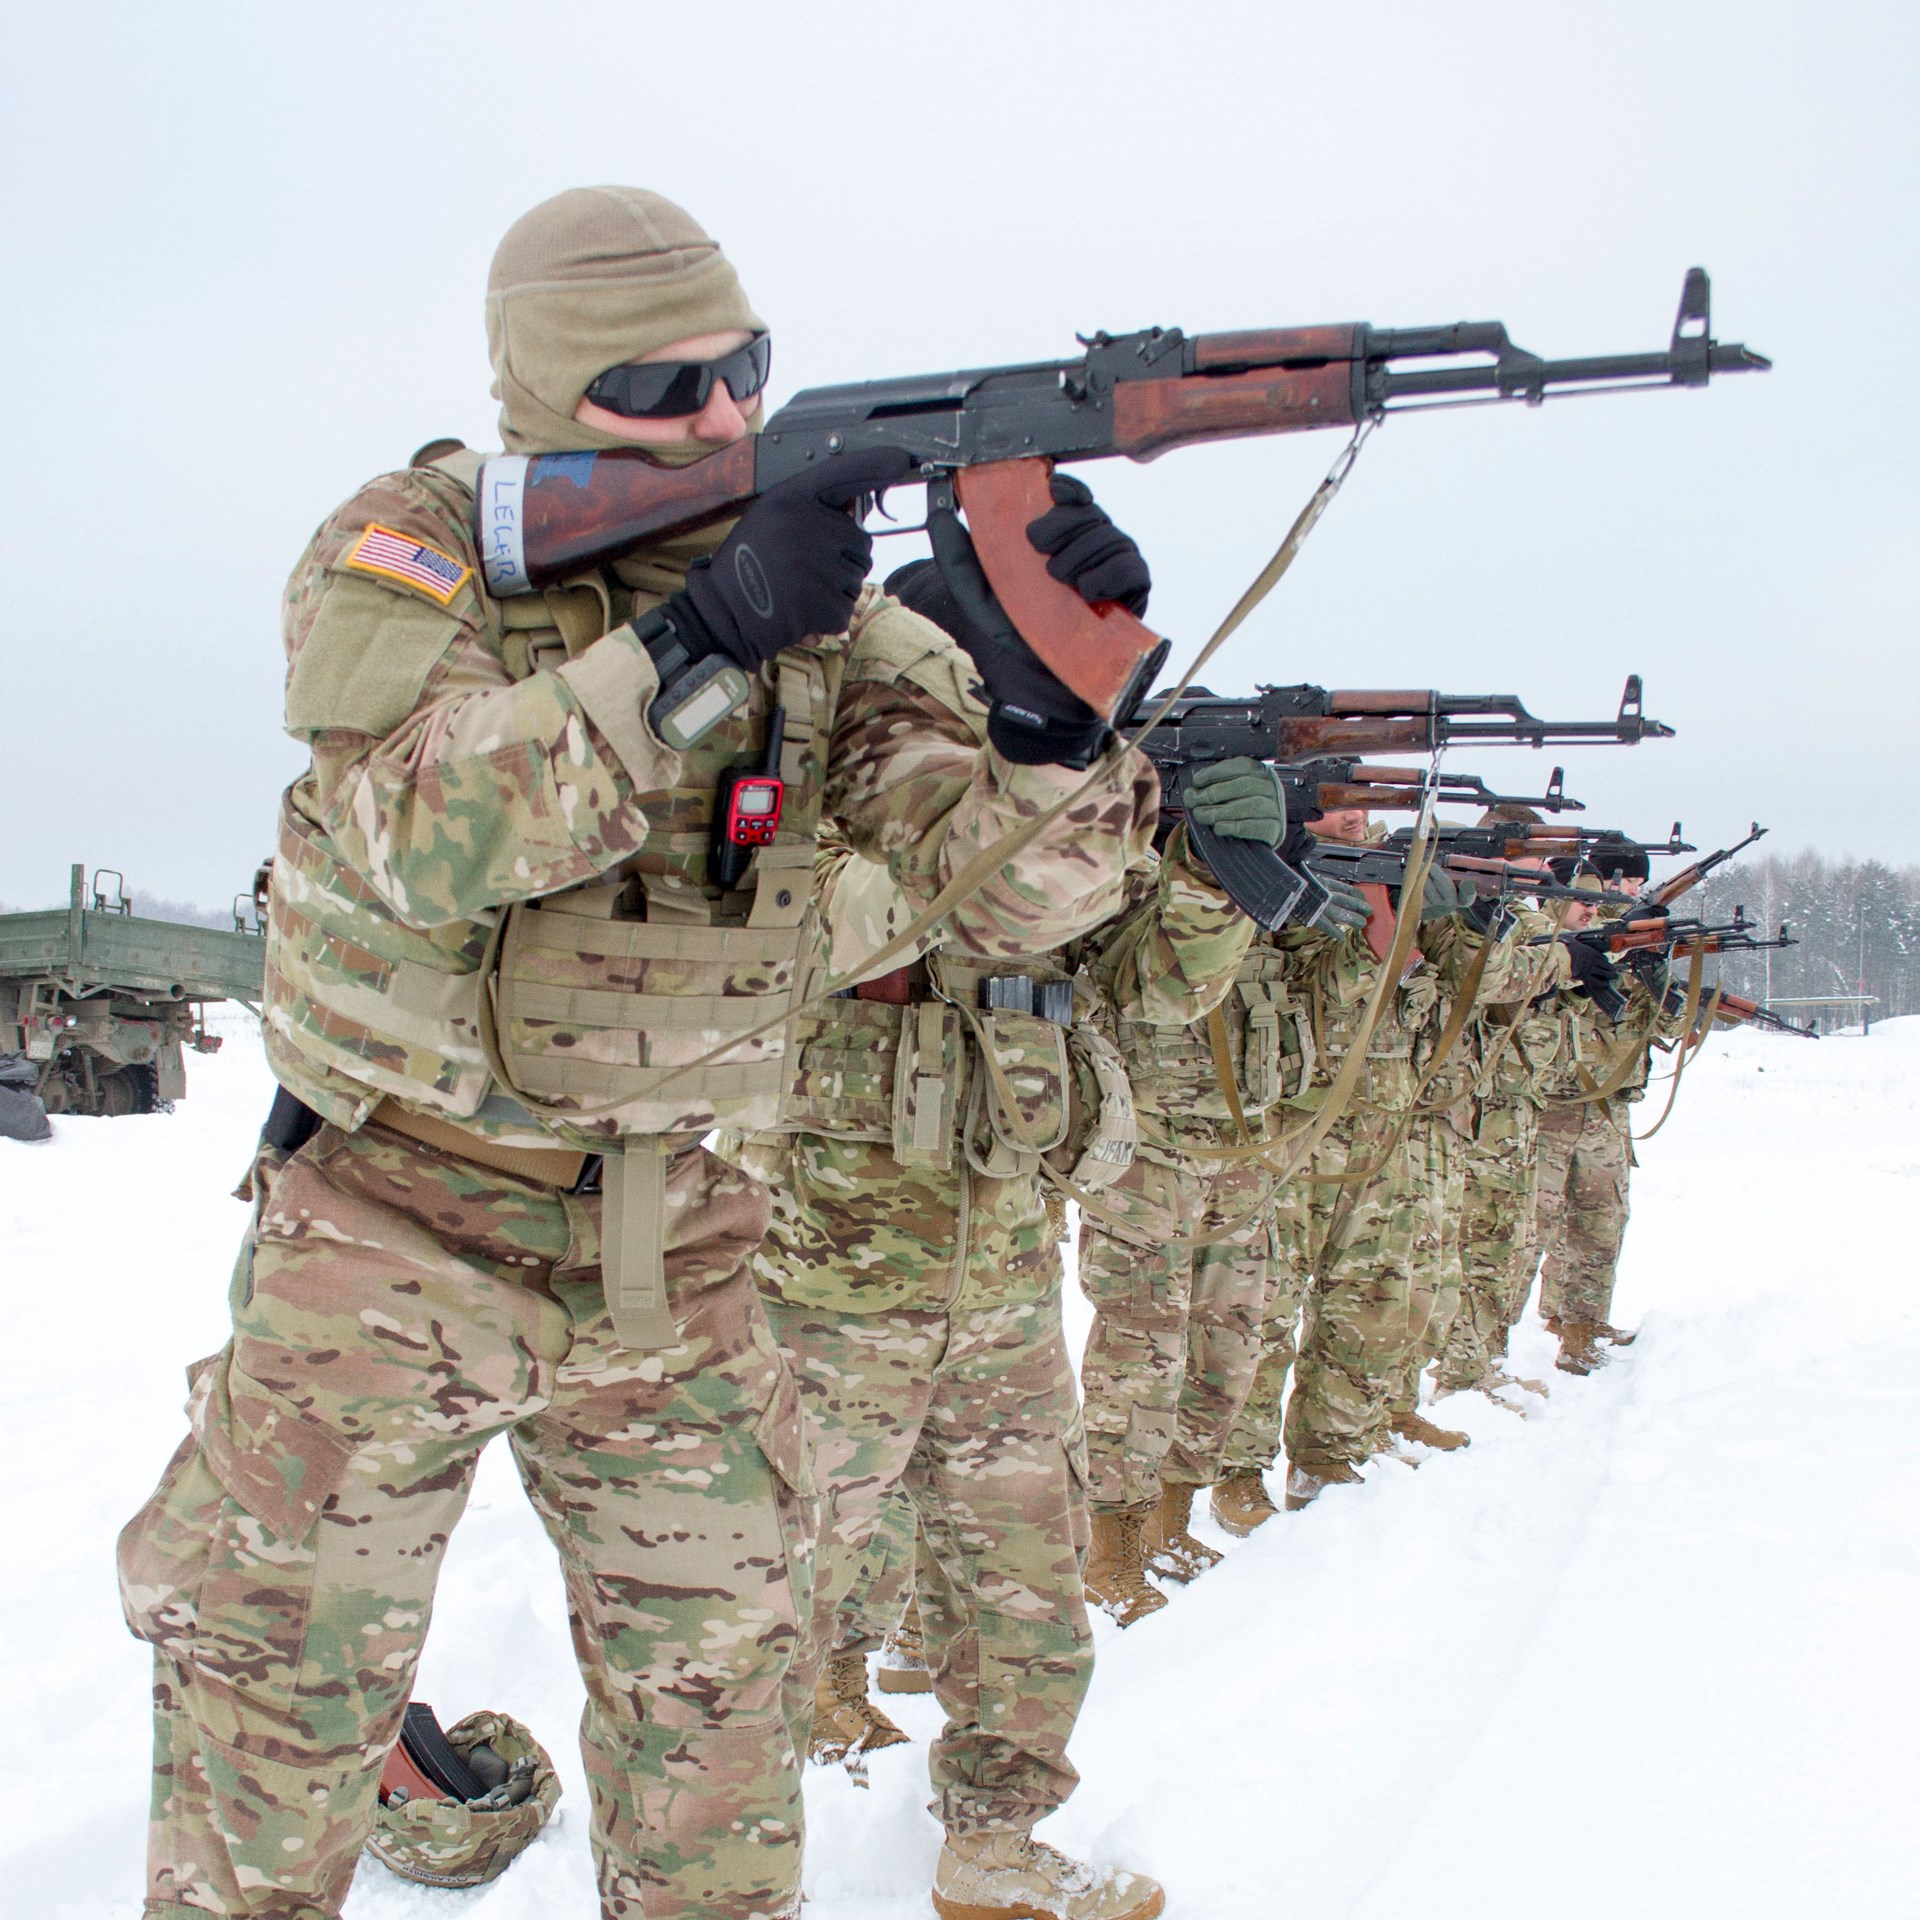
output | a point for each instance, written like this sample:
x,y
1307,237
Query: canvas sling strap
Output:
x,y
1456,1024
1219,1045
1692,1040
633,1243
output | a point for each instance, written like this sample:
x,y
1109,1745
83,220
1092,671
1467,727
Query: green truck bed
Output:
x,y
90,947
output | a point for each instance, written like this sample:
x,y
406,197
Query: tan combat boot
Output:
x,y
1305,1484
903,1660
1172,1551
1116,1574
1615,1336
1012,1876
1240,1502
1410,1426
1578,1351
846,1724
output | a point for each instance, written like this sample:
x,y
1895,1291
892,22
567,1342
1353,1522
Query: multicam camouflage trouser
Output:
x,y
1496,1235
1581,1206
394,1308
971,1412
1176,1336
1358,1268
884,1581
1437,1153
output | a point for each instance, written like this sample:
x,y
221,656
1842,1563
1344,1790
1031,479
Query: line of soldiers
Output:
x,y
764,1287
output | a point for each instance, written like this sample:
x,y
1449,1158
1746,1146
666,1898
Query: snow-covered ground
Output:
x,y
1651,1651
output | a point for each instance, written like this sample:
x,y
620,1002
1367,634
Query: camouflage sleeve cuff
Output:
x,y
614,681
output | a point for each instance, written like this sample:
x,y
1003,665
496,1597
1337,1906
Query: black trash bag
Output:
x,y
22,1114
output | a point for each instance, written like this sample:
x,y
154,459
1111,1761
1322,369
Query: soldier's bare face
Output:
x,y
722,420
1343,823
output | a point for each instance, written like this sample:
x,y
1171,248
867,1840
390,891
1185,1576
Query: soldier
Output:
x,y
1176,1335
1510,1043
500,978
913,1277
1586,1144
1360,1232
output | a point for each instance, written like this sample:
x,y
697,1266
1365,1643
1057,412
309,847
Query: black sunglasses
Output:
x,y
672,389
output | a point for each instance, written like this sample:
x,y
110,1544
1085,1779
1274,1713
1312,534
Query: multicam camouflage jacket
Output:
x,y
909,1174
1592,1051
491,902
1334,977
1516,1043
1509,1044
1195,998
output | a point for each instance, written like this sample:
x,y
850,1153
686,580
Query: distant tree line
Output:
x,y
1856,922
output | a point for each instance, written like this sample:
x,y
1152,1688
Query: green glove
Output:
x,y
1347,909
1444,896
1240,799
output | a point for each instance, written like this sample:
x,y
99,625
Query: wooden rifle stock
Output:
x,y
581,510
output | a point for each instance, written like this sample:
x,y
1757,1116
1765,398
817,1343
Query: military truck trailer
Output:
x,y
106,1001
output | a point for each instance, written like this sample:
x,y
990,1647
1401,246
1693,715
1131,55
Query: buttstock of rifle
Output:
x,y
1095,650
1675,886
581,510
1150,416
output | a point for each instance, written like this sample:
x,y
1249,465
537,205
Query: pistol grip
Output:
x,y
1097,651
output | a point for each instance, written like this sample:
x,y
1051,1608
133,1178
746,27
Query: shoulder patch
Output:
x,y
398,556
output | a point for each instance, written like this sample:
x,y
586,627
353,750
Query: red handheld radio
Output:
x,y
746,808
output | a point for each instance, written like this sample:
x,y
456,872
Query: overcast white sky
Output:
x,y
244,249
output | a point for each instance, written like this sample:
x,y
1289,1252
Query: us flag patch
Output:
x,y
401,557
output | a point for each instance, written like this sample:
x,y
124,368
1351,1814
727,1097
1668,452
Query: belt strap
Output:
x,y
546,1166
633,1233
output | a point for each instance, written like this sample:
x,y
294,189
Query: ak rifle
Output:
x,y
1299,730
985,440
1491,853
1657,938
1659,935
1737,1010
1676,885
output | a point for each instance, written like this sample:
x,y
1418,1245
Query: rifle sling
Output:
x,y
1224,1075
1692,1039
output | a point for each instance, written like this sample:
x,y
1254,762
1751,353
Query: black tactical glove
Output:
x,y
1240,799
1034,720
791,568
1591,968
1347,909
1088,551
1444,896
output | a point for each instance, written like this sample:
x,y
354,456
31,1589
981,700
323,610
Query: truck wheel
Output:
x,y
127,1090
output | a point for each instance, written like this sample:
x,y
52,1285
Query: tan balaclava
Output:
x,y
588,280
